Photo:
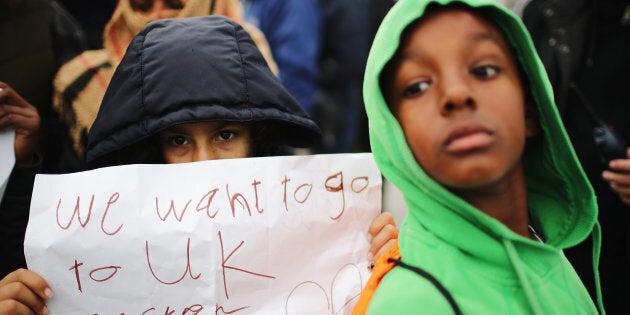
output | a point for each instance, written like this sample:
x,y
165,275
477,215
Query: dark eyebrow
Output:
x,y
412,55
473,40
481,37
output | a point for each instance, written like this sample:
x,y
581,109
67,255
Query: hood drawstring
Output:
x,y
529,292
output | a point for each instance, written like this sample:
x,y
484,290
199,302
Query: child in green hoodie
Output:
x,y
462,120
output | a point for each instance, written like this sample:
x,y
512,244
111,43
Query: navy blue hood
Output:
x,y
189,70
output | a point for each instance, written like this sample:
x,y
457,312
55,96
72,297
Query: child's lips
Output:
x,y
468,139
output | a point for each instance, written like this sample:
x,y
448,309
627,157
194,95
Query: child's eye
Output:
x,y
177,140
175,4
416,88
225,135
485,71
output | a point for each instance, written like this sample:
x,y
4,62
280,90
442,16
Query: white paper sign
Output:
x,y
7,157
273,235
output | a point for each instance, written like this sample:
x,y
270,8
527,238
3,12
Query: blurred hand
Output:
x,y
23,292
618,176
23,117
382,235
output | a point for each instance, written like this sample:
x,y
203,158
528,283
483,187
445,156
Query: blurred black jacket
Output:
x,y
585,46
37,37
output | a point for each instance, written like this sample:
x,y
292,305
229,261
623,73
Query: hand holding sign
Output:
x,y
23,292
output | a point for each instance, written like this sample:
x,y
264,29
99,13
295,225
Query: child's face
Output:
x,y
459,99
202,141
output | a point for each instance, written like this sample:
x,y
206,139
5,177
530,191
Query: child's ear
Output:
x,y
532,121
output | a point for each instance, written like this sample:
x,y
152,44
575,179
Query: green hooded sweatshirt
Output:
x,y
480,262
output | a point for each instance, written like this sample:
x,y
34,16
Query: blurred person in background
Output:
x,y
38,36
293,29
338,101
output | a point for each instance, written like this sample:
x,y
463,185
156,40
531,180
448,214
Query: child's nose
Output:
x,y
203,153
456,95
156,9
455,104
